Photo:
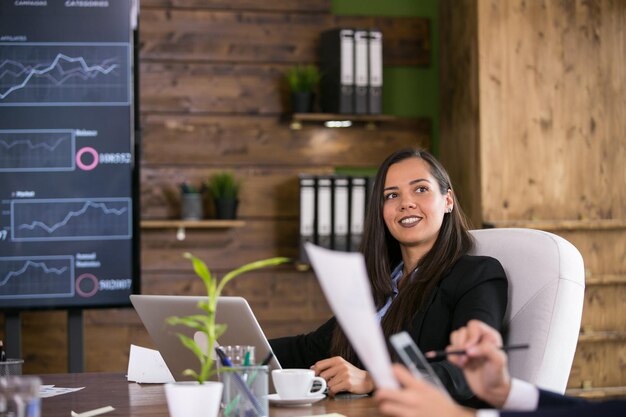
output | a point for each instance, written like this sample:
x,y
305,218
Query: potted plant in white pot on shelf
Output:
x,y
303,81
200,397
224,190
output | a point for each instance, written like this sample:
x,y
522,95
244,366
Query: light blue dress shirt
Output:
x,y
395,277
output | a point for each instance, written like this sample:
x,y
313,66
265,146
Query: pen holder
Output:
x,y
239,355
11,367
245,391
191,206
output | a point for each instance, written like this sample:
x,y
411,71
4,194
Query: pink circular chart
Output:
x,y
89,165
87,285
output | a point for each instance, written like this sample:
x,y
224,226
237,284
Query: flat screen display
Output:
x,y
67,162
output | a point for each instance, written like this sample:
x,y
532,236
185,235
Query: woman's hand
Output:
x,y
341,375
416,398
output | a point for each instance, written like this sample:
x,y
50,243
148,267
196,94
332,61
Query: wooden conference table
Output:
x,y
148,400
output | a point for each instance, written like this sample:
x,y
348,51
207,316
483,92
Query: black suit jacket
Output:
x,y
475,288
556,405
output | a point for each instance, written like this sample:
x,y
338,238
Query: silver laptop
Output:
x,y
235,312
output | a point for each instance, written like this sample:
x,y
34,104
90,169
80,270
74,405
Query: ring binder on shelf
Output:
x,y
374,99
361,77
307,211
324,212
332,211
337,70
341,215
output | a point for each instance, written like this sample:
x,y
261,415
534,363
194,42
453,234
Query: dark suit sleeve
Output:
x,y
553,399
304,350
557,405
475,289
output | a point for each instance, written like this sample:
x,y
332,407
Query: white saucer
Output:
x,y
274,399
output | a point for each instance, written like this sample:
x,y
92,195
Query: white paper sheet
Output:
x,y
147,366
46,391
343,279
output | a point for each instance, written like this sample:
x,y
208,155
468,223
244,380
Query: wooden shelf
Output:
x,y
191,224
552,225
182,225
370,121
606,279
604,393
602,336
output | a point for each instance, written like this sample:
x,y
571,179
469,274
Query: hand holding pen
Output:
x,y
434,355
484,361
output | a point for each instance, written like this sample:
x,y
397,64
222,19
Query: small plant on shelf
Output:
x,y
223,184
303,81
204,321
303,78
223,188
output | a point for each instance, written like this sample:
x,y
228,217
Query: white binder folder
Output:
x,y
361,78
375,87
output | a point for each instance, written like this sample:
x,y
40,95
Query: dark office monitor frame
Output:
x,y
75,324
12,311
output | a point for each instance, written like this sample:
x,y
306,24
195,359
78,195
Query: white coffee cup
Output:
x,y
293,384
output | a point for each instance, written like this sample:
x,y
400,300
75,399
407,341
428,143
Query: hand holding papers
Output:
x,y
343,279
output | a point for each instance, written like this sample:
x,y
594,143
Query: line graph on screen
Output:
x,y
71,219
37,150
61,74
36,276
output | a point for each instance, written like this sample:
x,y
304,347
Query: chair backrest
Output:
x,y
546,292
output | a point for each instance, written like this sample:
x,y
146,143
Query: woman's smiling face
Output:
x,y
414,206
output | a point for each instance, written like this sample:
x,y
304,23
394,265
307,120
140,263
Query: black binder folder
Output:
x,y
361,70
337,70
375,85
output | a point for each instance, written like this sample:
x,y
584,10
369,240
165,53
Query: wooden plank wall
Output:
x,y
552,96
544,83
213,98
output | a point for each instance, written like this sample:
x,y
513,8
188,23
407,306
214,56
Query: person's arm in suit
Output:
x,y
556,405
484,365
304,350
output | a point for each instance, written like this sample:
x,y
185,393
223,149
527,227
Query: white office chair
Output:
x,y
546,291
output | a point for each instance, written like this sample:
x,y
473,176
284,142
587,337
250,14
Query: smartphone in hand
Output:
x,y
413,358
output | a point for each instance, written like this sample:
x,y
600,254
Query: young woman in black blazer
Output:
x,y
415,244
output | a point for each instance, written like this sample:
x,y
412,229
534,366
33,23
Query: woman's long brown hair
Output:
x,y
382,253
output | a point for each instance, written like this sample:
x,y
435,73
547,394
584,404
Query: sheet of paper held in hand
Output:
x,y
343,279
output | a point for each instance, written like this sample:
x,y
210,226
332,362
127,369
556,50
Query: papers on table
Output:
x,y
46,391
343,279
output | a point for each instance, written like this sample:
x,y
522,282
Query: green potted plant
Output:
x,y
201,395
303,81
223,188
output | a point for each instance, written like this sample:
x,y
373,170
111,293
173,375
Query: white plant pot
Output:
x,y
190,399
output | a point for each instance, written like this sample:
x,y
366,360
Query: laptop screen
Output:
x,y
235,312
